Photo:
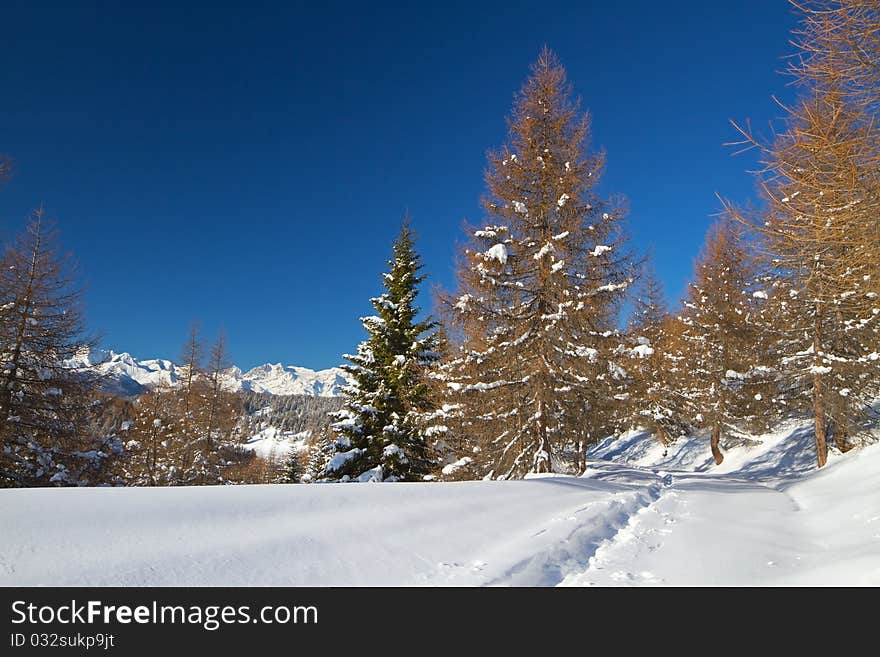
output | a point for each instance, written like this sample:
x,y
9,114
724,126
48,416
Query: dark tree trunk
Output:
x,y
819,422
661,436
542,464
715,443
841,433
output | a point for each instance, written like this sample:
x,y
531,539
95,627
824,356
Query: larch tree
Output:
x,y
729,377
218,363
149,446
380,434
654,365
193,354
45,424
649,307
838,46
217,418
170,446
820,184
531,378
189,397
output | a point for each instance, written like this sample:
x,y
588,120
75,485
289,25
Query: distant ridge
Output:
x,y
126,375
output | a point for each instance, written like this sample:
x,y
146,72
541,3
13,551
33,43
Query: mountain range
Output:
x,y
124,374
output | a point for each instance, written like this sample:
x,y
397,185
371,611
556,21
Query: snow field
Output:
x,y
764,517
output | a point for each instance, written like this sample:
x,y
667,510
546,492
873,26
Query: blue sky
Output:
x,y
248,164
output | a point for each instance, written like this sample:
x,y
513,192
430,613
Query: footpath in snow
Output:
x,y
637,517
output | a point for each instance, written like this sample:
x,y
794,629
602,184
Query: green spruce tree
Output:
x,y
294,469
379,431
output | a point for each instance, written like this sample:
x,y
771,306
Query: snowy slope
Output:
x,y
816,528
127,375
761,518
789,450
273,444
291,380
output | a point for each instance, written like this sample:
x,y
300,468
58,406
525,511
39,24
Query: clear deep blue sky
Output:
x,y
248,164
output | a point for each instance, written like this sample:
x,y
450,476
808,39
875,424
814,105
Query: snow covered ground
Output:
x,y
273,444
637,517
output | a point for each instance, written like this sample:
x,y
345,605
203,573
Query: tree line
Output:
x,y
779,321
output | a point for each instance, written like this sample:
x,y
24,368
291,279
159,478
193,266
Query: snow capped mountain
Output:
x,y
290,380
126,375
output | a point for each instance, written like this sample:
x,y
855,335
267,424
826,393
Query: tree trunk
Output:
x,y
582,453
841,433
661,436
819,396
542,460
715,442
819,421
151,470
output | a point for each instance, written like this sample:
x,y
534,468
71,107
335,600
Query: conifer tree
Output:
x,y
295,469
650,309
379,432
654,366
729,381
819,230
216,415
189,397
187,434
321,450
532,378
150,458
218,364
45,423
193,354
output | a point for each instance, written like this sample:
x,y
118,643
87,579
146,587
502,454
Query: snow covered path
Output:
x,y
763,517
631,522
704,530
